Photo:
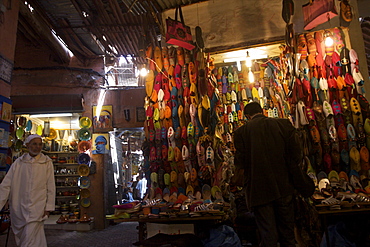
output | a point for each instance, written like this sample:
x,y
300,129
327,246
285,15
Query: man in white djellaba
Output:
x,y
30,189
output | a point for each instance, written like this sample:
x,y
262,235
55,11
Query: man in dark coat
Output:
x,y
269,152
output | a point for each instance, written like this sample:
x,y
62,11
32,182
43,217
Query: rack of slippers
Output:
x,y
186,150
193,106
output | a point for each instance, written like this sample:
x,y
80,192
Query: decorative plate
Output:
x,y
19,133
84,182
21,122
83,159
85,122
85,193
84,134
52,134
18,145
83,146
39,130
85,202
29,125
83,170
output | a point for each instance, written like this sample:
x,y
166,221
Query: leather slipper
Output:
x,y
199,37
206,193
158,58
149,83
165,60
172,56
180,56
328,110
354,156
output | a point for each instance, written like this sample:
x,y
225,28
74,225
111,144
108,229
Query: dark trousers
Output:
x,y
275,222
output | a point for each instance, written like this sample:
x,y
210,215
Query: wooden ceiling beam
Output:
x,y
104,17
76,40
44,31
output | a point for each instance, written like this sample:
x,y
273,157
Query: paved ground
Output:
x,y
123,235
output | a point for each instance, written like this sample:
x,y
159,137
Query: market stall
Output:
x,y
194,104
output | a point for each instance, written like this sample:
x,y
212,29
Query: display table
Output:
x,y
198,222
325,214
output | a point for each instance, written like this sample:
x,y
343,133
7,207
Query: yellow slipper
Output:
x,y
149,83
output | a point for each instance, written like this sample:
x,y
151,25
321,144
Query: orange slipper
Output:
x,y
166,62
158,58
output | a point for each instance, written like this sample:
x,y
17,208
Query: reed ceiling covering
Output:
x,y
92,28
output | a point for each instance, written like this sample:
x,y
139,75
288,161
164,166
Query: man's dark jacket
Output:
x,y
269,151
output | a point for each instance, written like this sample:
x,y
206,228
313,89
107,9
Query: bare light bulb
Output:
x,y
250,76
248,60
238,64
143,72
329,41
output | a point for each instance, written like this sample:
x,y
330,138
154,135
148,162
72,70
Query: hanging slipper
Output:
x,y
149,83
346,14
157,124
356,112
171,77
302,113
193,94
185,76
172,56
209,156
341,83
199,37
328,110
206,193
354,156
310,116
158,59
357,77
288,10
311,44
364,158
205,111
164,134
302,46
200,154
165,59
345,61
315,134
324,87
289,35
180,56
171,137
181,115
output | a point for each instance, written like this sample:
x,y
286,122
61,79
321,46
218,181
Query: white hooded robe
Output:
x,y
29,185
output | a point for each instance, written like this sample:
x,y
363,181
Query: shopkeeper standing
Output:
x,y
30,188
269,151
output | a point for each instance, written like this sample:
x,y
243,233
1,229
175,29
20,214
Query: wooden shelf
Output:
x,y
65,164
66,187
59,152
67,175
65,196
3,121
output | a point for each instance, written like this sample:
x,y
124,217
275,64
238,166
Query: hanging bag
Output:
x,y
317,12
178,33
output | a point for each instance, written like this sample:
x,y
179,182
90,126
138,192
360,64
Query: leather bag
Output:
x,y
317,12
178,33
